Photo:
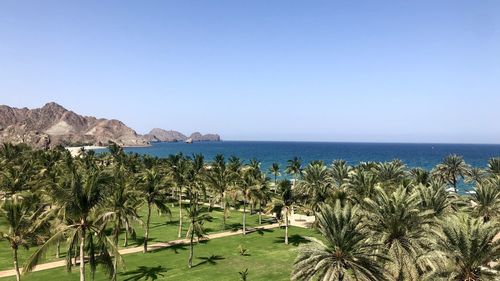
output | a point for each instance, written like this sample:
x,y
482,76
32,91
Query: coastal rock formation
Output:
x,y
160,135
157,134
197,136
54,125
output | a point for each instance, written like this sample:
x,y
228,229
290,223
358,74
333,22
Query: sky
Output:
x,y
367,71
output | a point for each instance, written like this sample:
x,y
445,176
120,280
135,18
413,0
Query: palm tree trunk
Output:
x,y
82,254
180,215
115,241
286,225
146,235
58,249
16,264
223,203
244,216
260,214
191,246
125,243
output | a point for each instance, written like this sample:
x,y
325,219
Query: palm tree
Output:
x,y
340,172
475,176
434,197
468,248
196,221
402,227
389,172
294,168
486,199
81,194
494,166
420,176
346,255
451,169
177,165
21,217
361,184
153,189
315,187
275,171
260,195
220,178
194,177
122,207
286,199
246,184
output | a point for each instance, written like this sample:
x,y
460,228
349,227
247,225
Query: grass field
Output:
x,y
267,258
162,228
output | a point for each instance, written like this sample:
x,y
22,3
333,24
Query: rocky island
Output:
x,y
161,135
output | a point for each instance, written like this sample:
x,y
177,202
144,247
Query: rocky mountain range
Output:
x,y
53,125
160,135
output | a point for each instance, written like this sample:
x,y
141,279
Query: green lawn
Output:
x,y
218,259
162,229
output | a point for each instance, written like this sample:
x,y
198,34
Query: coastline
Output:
x,y
74,150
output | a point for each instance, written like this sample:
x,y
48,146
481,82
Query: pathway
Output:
x,y
155,246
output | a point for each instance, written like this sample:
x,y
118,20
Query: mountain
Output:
x,y
160,135
54,125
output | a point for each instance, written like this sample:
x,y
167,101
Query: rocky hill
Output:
x,y
160,135
54,125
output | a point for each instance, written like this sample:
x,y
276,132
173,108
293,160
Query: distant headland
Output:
x,y
53,125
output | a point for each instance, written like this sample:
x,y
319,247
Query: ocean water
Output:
x,y
413,155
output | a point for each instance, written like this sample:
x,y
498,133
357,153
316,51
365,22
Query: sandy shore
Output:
x,y
74,150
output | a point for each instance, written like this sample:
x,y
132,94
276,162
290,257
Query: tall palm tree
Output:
x,y
21,217
486,199
403,228
177,165
451,170
121,208
81,194
346,255
245,186
287,200
468,248
275,171
260,195
196,221
220,178
153,189
294,168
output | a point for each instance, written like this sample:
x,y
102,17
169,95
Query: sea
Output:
x,y
267,152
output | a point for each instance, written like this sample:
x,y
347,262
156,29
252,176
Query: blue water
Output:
x,y
413,155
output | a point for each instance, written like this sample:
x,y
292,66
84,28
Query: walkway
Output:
x,y
156,246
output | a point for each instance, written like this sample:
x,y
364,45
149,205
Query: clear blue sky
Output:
x,y
402,71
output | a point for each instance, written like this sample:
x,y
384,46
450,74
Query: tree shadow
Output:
x,y
294,239
234,226
176,248
261,231
144,273
139,241
212,260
